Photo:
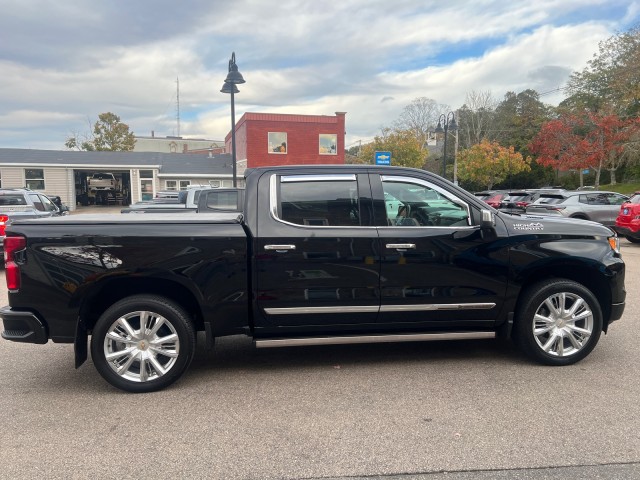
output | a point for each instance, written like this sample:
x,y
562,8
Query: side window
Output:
x,y
36,202
412,204
319,201
222,200
48,204
615,199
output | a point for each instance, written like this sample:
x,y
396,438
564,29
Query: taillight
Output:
x,y
522,204
12,245
3,223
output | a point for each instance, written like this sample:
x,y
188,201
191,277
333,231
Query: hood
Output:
x,y
536,224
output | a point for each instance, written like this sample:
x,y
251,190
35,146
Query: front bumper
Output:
x,y
24,327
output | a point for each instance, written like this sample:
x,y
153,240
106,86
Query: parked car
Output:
x,y
19,203
58,203
518,201
628,221
602,207
492,197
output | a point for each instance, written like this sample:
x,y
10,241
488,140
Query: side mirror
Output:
x,y
64,210
488,219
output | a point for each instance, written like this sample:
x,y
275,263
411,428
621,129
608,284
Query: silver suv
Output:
x,y
17,203
597,206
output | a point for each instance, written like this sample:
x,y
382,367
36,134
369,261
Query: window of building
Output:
x,y
34,178
171,185
277,142
320,201
328,144
184,184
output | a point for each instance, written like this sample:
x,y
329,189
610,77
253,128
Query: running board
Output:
x,y
351,339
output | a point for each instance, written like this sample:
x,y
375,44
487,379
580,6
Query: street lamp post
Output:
x,y
445,123
234,77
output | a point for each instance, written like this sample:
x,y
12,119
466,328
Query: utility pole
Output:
x,y
178,104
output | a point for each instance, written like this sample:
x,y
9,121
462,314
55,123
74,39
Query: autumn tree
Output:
x,y
488,163
594,141
405,149
607,142
109,134
556,144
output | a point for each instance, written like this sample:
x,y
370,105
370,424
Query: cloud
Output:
x,y
64,63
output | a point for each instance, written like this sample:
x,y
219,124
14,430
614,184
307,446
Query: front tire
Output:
x,y
143,343
558,322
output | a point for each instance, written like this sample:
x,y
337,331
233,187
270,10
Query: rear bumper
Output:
x,y
625,231
24,327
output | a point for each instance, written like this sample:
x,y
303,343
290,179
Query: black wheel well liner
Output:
x,y
113,291
593,280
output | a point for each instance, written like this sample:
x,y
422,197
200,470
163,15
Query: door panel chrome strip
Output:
x,y
303,310
384,309
353,339
436,306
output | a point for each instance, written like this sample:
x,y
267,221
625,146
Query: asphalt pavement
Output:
x,y
435,410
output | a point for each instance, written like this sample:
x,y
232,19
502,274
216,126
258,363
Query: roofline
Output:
x,y
194,175
78,165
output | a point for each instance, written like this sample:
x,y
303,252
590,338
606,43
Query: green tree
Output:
x,y
610,81
109,134
489,163
405,149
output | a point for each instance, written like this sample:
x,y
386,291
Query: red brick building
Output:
x,y
266,139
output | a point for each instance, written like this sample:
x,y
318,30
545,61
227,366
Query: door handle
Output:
x,y
402,246
280,248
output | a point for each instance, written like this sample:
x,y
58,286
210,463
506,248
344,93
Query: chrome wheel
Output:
x,y
563,324
557,322
141,346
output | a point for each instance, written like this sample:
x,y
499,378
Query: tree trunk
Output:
x,y
612,171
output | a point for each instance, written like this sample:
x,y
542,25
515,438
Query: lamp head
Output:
x,y
234,76
229,87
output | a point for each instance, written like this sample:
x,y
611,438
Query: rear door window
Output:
x,y
317,200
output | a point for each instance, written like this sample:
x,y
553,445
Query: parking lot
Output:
x,y
478,409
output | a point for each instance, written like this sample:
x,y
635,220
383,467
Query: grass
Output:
x,y
624,188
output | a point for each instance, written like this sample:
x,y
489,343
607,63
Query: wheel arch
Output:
x,y
593,280
112,291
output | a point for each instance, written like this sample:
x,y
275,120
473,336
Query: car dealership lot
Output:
x,y
341,411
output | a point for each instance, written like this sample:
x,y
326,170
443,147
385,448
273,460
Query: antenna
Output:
x,y
178,104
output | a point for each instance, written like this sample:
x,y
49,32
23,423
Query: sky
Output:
x,y
64,63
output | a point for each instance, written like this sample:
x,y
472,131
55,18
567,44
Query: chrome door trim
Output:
x,y
315,310
353,339
436,306
375,308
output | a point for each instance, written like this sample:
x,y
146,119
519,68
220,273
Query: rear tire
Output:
x,y
143,343
558,322
633,239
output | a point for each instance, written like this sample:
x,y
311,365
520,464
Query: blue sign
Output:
x,y
383,158
585,171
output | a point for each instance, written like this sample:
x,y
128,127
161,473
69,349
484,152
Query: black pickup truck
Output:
x,y
320,255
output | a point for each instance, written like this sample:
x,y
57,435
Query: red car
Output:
x,y
628,221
